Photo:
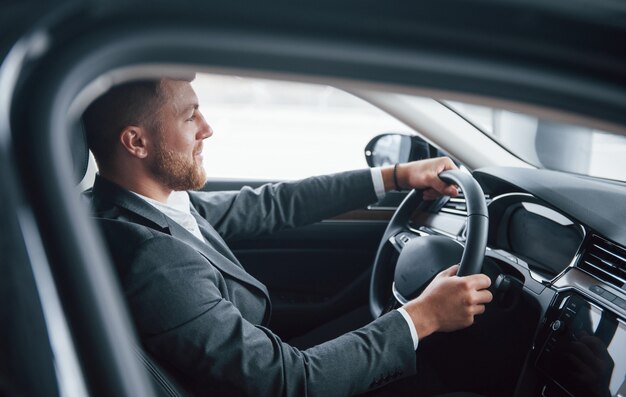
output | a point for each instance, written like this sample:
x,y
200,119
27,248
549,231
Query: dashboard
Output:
x,y
562,239
529,230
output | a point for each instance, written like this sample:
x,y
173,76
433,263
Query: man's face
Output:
x,y
176,147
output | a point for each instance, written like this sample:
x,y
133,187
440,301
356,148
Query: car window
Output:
x,y
267,129
549,144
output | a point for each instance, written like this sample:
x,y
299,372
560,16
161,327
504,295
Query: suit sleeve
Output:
x,y
198,331
252,212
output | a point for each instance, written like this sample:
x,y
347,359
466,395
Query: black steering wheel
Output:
x,y
421,257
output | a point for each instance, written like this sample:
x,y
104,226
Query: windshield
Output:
x,y
549,144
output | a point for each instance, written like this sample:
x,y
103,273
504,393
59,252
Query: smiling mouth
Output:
x,y
198,155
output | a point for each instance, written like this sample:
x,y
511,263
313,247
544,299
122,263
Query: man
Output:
x,y
196,309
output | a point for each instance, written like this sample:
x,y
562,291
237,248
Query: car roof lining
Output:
x,y
355,86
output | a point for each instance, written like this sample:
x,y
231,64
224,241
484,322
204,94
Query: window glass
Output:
x,y
266,129
549,144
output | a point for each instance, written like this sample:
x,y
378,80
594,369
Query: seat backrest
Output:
x,y
79,152
83,162
164,385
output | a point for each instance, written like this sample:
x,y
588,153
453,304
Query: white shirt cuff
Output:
x,y
377,180
409,322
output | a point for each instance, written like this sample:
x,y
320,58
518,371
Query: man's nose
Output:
x,y
205,129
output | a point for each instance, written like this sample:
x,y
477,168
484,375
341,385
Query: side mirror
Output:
x,y
391,148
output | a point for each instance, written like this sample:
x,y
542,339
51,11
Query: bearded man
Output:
x,y
196,309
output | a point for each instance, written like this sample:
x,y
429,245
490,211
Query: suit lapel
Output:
x,y
110,198
213,237
213,254
106,193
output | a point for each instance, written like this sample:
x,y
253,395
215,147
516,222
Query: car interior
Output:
x,y
552,240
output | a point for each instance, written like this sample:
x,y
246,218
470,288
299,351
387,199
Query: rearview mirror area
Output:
x,y
391,148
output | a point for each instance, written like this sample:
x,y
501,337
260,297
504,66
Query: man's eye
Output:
x,y
192,118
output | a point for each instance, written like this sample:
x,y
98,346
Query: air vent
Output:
x,y
605,260
457,205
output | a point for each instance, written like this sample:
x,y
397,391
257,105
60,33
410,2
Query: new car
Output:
x,y
527,97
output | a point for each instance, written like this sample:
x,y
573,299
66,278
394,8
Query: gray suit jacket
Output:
x,y
202,316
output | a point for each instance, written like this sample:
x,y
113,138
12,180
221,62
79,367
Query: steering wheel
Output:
x,y
422,257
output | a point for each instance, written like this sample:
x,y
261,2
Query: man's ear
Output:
x,y
133,140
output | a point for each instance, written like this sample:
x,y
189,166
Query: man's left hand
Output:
x,y
423,174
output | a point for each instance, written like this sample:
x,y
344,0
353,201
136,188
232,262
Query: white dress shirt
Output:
x,y
178,208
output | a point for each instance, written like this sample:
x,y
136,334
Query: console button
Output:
x,y
620,302
573,305
557,326
596,289
608,296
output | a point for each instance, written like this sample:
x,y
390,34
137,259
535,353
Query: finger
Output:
x,y
484,296
445,163
478,309
430,194
449,272
440,186
451,190
478,281
443,187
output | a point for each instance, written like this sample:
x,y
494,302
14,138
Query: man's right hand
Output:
x,y
449,302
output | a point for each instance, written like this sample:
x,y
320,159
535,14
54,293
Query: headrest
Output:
x,y
80,152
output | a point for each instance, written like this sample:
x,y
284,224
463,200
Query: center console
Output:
x,y
582,350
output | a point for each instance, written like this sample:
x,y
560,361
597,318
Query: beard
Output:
x,y
176,171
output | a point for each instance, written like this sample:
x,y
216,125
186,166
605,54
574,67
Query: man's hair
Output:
x,y
134,103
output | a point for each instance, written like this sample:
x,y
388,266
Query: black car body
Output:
x,y
65,328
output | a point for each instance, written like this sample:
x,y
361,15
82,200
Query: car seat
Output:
x,y
84,174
